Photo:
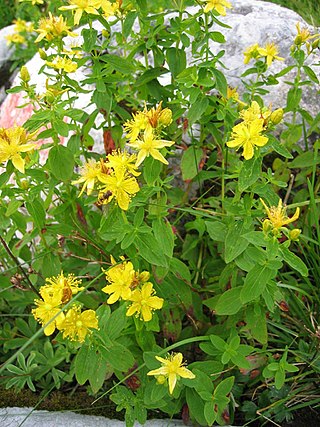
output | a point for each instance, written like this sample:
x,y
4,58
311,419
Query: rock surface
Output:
x,y
16,417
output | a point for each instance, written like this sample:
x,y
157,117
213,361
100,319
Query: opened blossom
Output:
x,y
76,325
53,27
172,369
270,52
218,5
119,186
49,309
148,145
144,302
63,63
90,174
81,6
277,215
69,285
248,136
120,278
13,142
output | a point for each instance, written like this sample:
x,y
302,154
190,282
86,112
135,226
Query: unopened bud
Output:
x,y
43,54
24,184
49,97
144,276
161,379
276,116
315,43
165,117
24,74
294,234
298,40
267,226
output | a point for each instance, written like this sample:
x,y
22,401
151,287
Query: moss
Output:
x,y
80,401
7,12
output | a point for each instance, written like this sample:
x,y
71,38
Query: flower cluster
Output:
x,y
144,132
129,285
21,30
269,52
303,38
278,219
63,64
113,178
13,142
248,133
53,27
171,370
92,7
49,313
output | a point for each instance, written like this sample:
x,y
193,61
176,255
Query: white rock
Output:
x,y
5,49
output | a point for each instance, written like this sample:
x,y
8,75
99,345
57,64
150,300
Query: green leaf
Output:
x,y
118,63
180,270
279,148
257,238
293,99
119,357
294,261
151,170
89,39
61,162
13,206
249,173
221,82
217,230
235,243
164,235
257,323
51,265
149,248
37,212
311,74
116,323
210,413
197,109
229,303
190,162
255,282
176,59
224,388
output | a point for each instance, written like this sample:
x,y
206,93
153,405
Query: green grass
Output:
x,y
7,12
308,9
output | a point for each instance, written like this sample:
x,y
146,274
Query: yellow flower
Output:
x,y
15,38
80,6
150,146
121,277
122,160
303,35
119,185
108,8
158,117
247,135
90,173
53,27
270,51
254,112
14,141
172,368
217,5
77,325
251,52
21,25
48,308
278,215
136,125
144,302
64,64
69,286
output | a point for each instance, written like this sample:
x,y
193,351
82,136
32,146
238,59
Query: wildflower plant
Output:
x,y
177,234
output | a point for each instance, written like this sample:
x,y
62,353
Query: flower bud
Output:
x,y
24,184
276,116
267,226
49,97
294,234
315,44
165,117
144,276
161,379
42,54
298,40
24,74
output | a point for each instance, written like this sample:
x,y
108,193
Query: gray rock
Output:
x,y
5,49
